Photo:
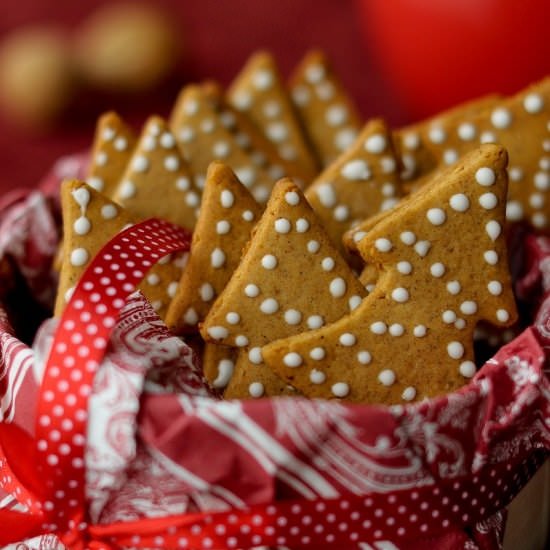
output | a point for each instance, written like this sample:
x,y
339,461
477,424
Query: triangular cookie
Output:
x,y
203,138
113,144
360,183
89,221
444,267
327,112
227,217
259,92
157,181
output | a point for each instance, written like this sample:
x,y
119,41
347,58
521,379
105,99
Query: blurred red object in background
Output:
x,y
436,53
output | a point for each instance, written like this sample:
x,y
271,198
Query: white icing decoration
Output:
x,y
422,248
328,263
388,165
315,73
411,141
241,341
206,292
269,306
409,393
217,332
255,356
459,202
514,210
383,245
192,199
455,350
282,225
171,163
223,227
82,225
469,307
225,372
388,189
375,144
533,103
437,134
515,173
337,287
466,131
493,229
436,216
153,279
127,189
542,181
277,131
313,246
501,118
140,163
186,134
356,170
96,183
227,199
495,288
341,213
121,144
292,359
437,269
396,329
167,140
302,225
448,316
336,115
292,198
378,327
347,339
450,156
488,137
315,321
340,389
488,201
108,211
386,377
208,125
221,149
248,215
467,369
408,238
400,294
172,288
453,287
317,377
217,258
420,331
232,317
317,354
344,138
256,389
364,357
79,257
269,261
485,176
359,235
271,109
502,315
354,302
300,95
191,317
405,268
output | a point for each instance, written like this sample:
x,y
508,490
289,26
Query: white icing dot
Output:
x,y
277,131
396,329
325,91
251,290
542,181
453,287
292,198
502,315
341,213
108,211
269,261
533,103
167,140
108,134
488,137
271,109
400,294
241,341
292,359
153,279
382,244
315,73
255,356
514,210
437,269
345,138
469,307
287,151
127,189
488,201
300,95
269,306
186,134
317,376
411,141
388,165
232,317
191,317
262,79
317,354
223,227
467,369
302,225
466,131
315,321
495,288
101,158
405,268
539,219
375,144
436,216
172,289
217,258
192,199
336,115
282,225
386,377
409,393
340,389
79,257
420,331
337,287
437,134
448,316
206,292
536,200
356,170
256,389
313,246
82,225
455,350
388,189
493,229
460,324
515,173
459,202
485,176
171,163
227,199
328,263
140,164
450,156
347,339
248,215
217,332
221,149
208,125
364,357
422,248
358,236
121,143
378,327
408,238
246,175
501,118
242,100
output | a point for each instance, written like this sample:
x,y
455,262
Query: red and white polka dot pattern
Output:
x,y
80,343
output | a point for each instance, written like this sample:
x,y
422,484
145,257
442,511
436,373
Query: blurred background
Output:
x,y
62,63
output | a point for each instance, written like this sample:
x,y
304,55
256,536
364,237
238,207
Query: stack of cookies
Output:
x,y
331,258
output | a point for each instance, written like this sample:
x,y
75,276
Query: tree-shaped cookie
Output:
x,y
518,123
227,216
360,183
443,264
157,181
291,278
89,221
326,110
259,91
113,144
203,138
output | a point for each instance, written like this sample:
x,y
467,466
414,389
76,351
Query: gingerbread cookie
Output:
x,y
327,112
360,183
113,145
411,337
520,124
203,138
259,92
267,297
89,221
218,364
157,181
227,217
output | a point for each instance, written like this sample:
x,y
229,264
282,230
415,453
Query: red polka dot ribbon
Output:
x,y
78,348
